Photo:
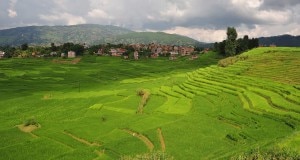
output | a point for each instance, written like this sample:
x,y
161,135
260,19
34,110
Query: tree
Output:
x,y
253,43
53,48
246,42
24,46
220,47
242,44
79,49
231,44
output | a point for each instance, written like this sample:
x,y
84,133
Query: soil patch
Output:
x,y
29,128
74,61
143,138
81,139
161,139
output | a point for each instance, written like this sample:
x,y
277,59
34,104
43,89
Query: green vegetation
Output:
x,y
230,44
149,156
36,35
275,154
196,109
282,40
31,121
90,34
156,37
233,46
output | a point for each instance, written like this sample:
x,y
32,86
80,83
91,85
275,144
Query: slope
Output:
x,y
85,33
89,34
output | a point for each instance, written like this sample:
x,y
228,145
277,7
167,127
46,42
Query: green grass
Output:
x,y
204,111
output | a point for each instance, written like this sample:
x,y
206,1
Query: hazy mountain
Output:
x,y
155,37
282,40
87,33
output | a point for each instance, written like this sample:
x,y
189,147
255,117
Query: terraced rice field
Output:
x,y
194,109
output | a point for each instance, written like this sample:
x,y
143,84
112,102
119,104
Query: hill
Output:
x,y
281,41
156,37
36,35
87,33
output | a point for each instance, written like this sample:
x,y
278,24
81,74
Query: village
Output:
x,y
132,51
151,51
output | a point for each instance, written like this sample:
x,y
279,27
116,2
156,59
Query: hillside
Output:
x,y
101,107
89,34
156,37
281,41
86,33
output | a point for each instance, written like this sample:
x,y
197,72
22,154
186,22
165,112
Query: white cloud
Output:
x,y
248,3
200,34
12,13
173,12
67,18
98,13
274,17
11,10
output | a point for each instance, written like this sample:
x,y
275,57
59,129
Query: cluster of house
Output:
x,y
155,50
149,50
70,54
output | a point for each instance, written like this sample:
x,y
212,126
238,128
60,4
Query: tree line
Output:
x,y
233,46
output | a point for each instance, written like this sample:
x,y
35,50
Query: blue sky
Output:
x,y
200,19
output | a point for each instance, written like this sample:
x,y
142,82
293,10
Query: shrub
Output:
x,y
31,121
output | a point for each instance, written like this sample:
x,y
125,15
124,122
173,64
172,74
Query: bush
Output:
x,y
31,121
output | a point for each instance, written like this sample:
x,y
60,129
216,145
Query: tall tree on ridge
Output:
x,y
231,44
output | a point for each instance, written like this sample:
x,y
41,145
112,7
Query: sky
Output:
x,y
203,20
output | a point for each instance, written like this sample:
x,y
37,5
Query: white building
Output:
x,y
71,54
2,54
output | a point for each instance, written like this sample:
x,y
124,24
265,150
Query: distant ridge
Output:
x,y
156,37
37,35
89,34
281,40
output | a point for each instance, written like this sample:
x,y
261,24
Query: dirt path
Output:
x,y
74,61
81,139
33,135
143,138
161,139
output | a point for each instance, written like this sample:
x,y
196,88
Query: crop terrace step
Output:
x,y
207,89
198,90
169,92
184,93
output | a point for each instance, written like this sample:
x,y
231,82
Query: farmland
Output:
x,y
110,108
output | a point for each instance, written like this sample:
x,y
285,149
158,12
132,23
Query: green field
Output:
x,y
109,108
